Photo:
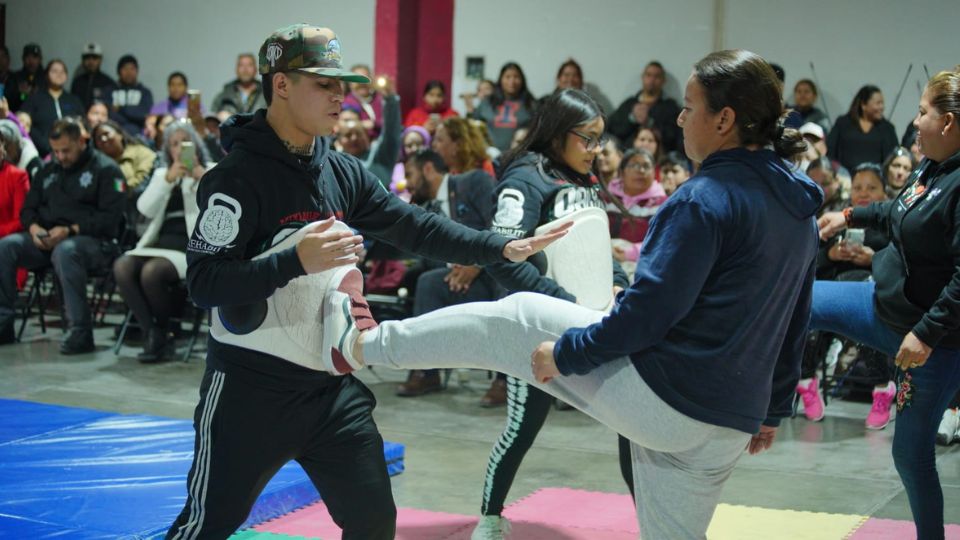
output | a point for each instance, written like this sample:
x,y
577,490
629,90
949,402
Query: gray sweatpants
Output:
x,y
679,464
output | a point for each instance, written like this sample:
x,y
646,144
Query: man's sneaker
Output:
x,y
812,399
77,342
491,528
879,415
345,313
949,425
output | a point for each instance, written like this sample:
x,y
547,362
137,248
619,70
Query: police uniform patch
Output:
x,y
86,179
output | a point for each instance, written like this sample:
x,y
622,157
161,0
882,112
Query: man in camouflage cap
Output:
x,y
309,49
259,407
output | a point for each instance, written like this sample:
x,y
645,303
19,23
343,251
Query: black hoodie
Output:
x,y
532,192
918,284
261,192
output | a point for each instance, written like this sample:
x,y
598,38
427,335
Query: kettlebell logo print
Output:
x,y
220,223
274,52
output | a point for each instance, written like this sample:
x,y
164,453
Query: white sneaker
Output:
x,y
491,528
344,313
949,426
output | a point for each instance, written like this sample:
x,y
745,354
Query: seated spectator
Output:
x,y
862,135
413,139
640,195
134,158
510,107
471,99
149,275
5,73
650,108
24,83
367,102
805,104
90,84
461,147
432,108
608,162
14,185
25,122
130,101
97,113
19,150
467,199
674,171
897,169
50,104
243,94
175,105
71,215
843,260
648,138
379,156
823,172
156,143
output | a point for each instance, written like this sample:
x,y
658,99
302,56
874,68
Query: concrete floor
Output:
x,y
835,466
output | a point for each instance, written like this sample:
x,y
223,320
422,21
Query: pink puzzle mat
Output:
x,y
570,514
883,529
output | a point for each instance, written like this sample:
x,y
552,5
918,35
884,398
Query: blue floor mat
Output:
x,y
75,473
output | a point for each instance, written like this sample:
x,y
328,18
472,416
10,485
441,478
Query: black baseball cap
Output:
x,y
32,49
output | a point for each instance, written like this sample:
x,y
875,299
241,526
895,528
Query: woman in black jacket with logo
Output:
x,y
912,311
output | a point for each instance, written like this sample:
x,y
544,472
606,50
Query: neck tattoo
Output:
x,y
300,150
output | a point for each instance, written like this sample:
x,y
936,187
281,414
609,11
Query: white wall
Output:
x,y
201,38
852,43
611,39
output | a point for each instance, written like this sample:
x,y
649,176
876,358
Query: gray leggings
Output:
x,y
679,464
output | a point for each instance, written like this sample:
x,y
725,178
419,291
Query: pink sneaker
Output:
x,y
812,399
879,415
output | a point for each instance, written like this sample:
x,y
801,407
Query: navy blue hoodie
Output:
x,y
716,319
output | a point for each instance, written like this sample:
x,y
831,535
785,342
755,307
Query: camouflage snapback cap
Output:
x,y
301,47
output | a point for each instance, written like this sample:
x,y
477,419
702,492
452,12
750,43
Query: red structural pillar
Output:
x,y
414,44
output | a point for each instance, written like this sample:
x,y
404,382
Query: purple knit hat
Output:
x,y
415,129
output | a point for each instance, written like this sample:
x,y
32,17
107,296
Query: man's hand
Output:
x,y
519,250
861,256
388,88
38,234
830,224
57,234
543,364
322,249
762,441
461,277
913,353
640,112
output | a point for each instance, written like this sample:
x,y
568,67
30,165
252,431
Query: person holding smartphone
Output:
x,y
848,256
432,109
911,309
149,276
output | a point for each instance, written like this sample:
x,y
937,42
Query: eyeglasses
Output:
x,y
638,166
590,143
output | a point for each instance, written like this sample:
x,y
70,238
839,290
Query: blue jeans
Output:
x,y
923,393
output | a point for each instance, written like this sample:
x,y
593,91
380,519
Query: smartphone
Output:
x,y
188,155
43,234
381,82
193,99
854,237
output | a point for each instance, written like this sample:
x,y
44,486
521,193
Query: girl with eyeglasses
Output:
x,y
548,176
